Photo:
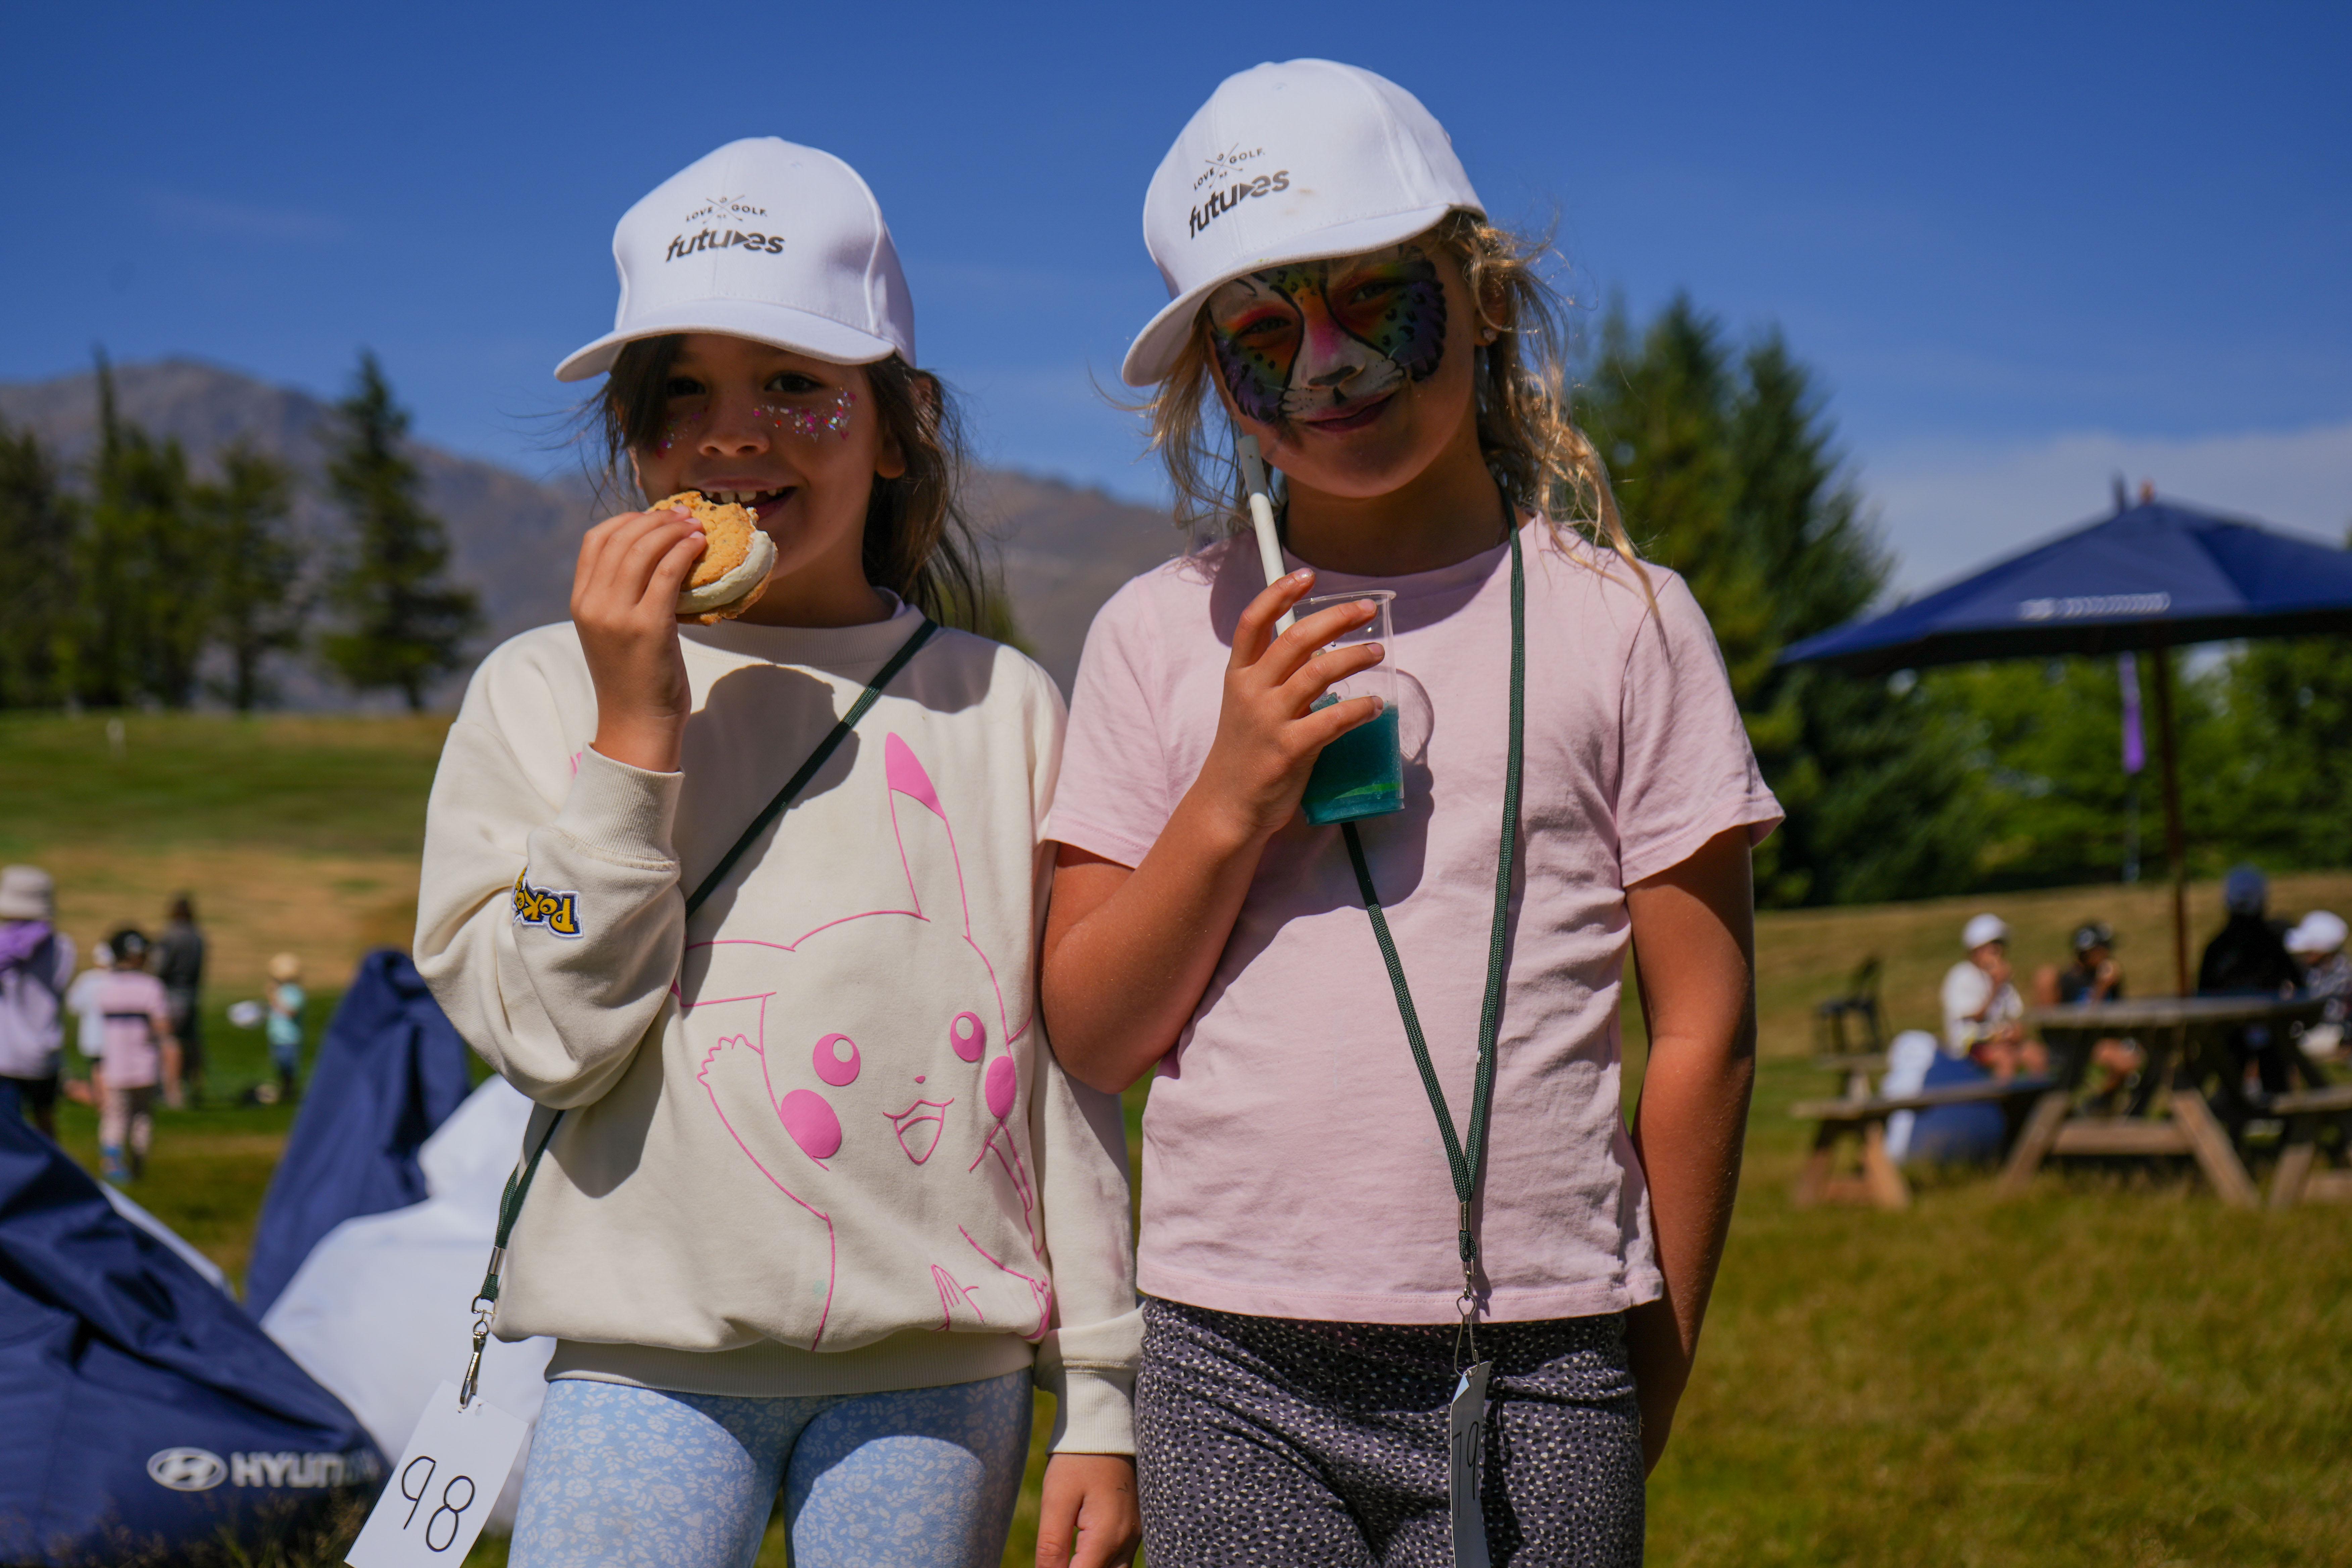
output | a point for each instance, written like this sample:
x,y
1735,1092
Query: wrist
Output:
x,y
1213,829
656,747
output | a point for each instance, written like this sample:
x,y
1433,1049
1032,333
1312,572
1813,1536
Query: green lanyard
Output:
x,y
1467,1157
519,1183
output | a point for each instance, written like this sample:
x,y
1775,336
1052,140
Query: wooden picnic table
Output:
x,y
1861,1115
2294,1180
2169,1114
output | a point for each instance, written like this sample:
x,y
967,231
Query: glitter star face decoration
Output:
x,y
812,415
1316,339
811,418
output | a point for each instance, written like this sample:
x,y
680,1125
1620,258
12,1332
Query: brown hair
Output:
x,y
1542,461
920,543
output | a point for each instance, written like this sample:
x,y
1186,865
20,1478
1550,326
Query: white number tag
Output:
x,y
1465,1429
440,1493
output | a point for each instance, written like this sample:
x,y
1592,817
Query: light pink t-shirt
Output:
x,y
1292,1164
132,1000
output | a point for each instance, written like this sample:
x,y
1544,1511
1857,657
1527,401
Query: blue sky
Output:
x,y
2024,246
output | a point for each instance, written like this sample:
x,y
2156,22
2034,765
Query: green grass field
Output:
x,y
2114,1370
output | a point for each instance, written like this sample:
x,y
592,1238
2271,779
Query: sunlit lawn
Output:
x,y
2114,1370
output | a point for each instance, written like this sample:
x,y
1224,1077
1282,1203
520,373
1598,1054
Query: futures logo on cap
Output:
x,y
1232,183
723,209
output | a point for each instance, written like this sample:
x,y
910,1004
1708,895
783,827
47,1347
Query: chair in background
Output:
x,y
1850,1031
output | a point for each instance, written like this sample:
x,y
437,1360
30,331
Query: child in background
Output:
x,y
178,961
1340,297
2317,944
283,1025
37,960
2094,977
81,1000
817,1205
1982,1008
141,1054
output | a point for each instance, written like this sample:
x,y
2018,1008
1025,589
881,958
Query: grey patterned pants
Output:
x,y
1307,1445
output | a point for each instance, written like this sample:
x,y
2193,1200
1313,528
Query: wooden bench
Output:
x,y
2305,1112
1881,1180
1857,1068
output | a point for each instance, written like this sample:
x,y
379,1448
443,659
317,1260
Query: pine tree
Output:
x,y
1659,411
142,569
257,608
1726,472
406,624
36,528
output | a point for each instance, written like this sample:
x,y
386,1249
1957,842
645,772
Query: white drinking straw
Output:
x,y
1261,511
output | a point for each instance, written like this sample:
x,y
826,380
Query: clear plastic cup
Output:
x,y
1361,773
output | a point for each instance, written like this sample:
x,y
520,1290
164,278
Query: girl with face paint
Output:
x,y
1320,1272
749,910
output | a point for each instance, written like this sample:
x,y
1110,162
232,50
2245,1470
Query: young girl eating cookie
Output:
x,y
1413,1291
740,876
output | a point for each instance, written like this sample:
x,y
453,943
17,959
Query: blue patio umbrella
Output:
x,y
2151,576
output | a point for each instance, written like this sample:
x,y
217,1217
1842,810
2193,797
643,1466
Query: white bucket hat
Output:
x,y
761,240
1982,928
1288,162
27,893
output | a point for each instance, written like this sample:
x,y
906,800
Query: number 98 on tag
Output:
x,y
440,1493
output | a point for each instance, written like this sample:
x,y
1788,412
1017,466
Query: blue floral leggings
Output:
x,y
920,1478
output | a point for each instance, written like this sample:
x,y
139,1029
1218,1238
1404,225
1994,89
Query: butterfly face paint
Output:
x,y
1318,338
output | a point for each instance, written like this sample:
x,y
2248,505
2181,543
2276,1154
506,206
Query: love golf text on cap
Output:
x,y
1222,201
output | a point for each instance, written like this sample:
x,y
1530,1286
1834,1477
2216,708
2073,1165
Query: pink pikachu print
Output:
x,y
886,1085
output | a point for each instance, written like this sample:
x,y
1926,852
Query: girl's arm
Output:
x,y
1128,953
1695,942
550,927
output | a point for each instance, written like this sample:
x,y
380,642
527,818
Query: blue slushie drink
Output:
x,y
1361,773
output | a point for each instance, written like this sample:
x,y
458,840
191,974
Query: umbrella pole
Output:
x,y
2174,848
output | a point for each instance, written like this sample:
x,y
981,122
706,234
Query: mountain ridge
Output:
x,y
1061,549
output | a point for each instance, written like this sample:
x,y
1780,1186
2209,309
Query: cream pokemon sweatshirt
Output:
x,y
814,1140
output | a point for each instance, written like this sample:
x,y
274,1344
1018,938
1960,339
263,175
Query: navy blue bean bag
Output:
x,y
143,1415
389,1071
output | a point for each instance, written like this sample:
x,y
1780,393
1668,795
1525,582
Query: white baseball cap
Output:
x,y
761,240
2319,932
1982,928
1288,163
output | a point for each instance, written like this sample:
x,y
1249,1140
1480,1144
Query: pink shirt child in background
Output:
x,y
138,1021
138,1054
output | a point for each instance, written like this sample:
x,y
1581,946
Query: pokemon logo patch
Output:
x,y
558,912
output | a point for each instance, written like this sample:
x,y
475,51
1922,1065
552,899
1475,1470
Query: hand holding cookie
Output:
x,y
733,571
625,606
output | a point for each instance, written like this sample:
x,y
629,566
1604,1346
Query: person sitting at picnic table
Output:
x,y
2317,942
1981,1006
2094,976
2247,957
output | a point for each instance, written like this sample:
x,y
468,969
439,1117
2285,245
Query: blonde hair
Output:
x,y
1532,446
